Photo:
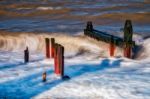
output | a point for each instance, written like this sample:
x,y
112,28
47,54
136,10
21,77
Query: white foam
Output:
x,y
95,78
74,45
49,8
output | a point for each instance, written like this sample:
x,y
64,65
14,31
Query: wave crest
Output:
x,y
74,45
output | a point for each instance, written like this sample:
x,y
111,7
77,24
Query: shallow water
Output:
x,y
70,16
86,60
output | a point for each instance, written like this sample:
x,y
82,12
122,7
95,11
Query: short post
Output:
x,y
112,46
26,55
52,45
44,77
47,47
128,33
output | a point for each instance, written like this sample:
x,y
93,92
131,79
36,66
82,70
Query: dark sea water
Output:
x,y
70,16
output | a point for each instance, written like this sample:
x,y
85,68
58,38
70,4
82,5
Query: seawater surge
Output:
x,y
74,45
67,18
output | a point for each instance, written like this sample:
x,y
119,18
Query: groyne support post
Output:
x,y
47,47
44,77
26,55
112,47
59,59
128,34
52,46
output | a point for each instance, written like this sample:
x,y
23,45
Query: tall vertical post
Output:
x,y
47,47
127,51
52,45
59,59
26,55
112,46
62,61
89,27
56,58
128,33
58,72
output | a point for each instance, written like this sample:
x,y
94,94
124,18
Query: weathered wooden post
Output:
x,y
61,61
89,27
47,47
52,46
62,68
55,57
56,60
44,77
26,55
128,33
112,46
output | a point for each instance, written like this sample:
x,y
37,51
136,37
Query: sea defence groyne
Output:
x,y
126,42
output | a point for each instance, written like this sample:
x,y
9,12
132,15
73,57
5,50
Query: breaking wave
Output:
x,y
49,8
74,45
145,48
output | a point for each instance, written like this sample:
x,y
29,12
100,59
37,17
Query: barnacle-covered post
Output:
x,y
128,34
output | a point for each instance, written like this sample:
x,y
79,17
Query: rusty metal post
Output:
x,y
47,47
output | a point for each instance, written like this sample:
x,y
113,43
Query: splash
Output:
x,y
144,52
74,45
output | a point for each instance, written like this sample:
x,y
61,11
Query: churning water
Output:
x,y
43,18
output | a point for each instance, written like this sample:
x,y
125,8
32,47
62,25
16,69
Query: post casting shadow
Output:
x,y
32,85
